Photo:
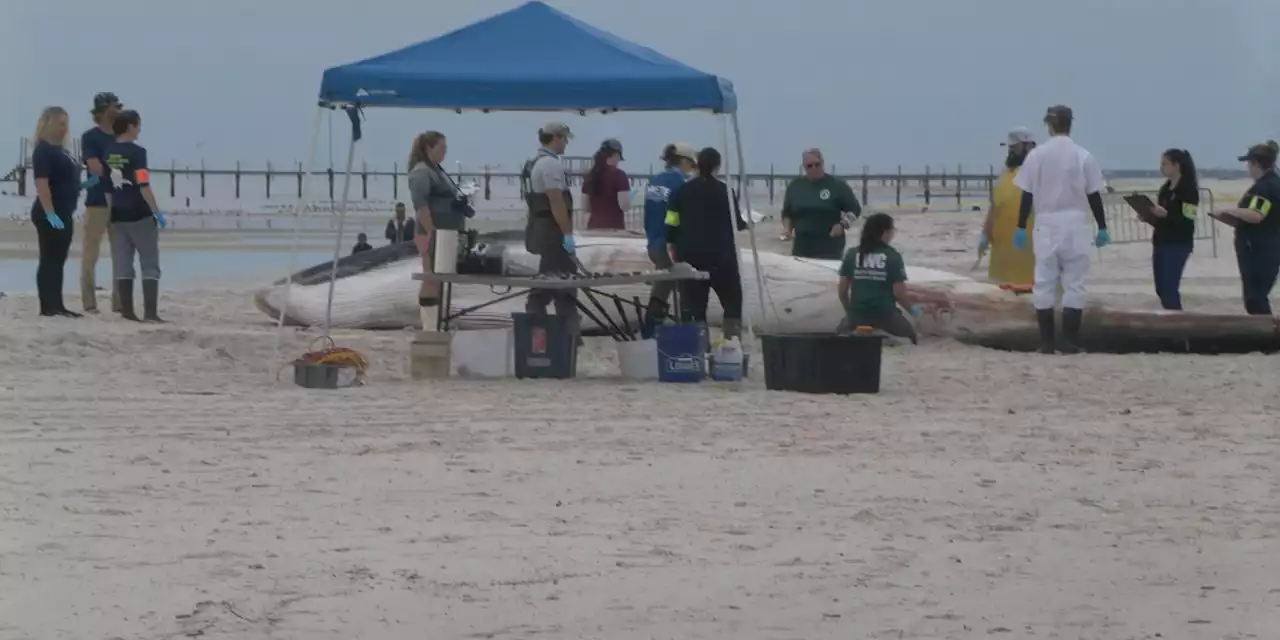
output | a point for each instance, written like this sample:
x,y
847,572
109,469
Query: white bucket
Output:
x,y
638,359
446,251
488,353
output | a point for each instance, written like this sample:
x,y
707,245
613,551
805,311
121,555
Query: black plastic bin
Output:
x,y
822,362
546,346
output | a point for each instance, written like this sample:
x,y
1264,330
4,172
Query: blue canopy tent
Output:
x,y
531,58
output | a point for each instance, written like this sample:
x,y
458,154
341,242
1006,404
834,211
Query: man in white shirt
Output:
x,y
1064,183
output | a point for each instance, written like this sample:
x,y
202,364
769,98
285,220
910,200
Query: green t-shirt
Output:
x,y
872,277
815,205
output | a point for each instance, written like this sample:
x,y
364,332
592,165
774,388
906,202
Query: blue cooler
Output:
x,y
682,352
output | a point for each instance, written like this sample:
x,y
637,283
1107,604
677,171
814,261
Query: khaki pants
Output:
x,y
97,221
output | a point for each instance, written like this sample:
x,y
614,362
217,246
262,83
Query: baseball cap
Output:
x,y
556,129
104,100
1059,113
684,150
1018,135
614,145
1261,151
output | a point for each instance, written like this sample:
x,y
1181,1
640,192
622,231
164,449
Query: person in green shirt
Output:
x,y
873,282
817,210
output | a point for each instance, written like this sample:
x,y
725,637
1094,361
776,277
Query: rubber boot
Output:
x,y
1071,319
1044,317
150,301
124,289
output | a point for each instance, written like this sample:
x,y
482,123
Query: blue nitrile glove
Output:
x,y
569,244
90,182
1020,239
983,243
160,221
1103,238
915,310
54,221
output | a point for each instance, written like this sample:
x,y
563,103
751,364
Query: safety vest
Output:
x,y
537,203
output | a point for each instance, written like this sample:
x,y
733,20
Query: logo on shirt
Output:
x,y
825,194
873,261
657,193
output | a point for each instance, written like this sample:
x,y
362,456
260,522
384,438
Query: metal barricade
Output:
x,y
1126,228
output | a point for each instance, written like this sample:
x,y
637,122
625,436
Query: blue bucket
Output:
x,y
682,353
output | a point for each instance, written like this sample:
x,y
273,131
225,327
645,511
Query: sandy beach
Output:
x,y
157,483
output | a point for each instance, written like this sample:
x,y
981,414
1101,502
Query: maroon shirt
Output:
x,y
605,212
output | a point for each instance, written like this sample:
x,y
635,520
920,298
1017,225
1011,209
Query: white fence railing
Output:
x,y
1126,228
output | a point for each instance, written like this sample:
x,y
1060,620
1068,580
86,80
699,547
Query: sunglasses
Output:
x,y
812,165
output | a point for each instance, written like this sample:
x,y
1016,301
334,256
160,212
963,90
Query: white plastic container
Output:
x,y
726,366
638,359
487,353
446,251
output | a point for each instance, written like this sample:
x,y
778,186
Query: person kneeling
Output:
x,y
136,219
873,281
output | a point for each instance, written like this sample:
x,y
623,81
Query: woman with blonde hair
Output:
x,y
437,205
57,177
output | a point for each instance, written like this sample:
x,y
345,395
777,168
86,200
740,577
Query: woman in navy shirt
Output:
x,y
57,193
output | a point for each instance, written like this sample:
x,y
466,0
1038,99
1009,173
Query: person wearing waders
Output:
x,y
1257,226
1062,182
681,164
136,219
549,227
700,232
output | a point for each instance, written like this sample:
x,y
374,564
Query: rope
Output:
x,y
333,354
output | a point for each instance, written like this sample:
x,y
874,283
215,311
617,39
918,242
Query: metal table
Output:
x,y
589,284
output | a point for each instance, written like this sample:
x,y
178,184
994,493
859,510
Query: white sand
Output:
x,y
154,485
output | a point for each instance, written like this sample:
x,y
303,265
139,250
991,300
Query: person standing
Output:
x,y
607,189
437,205
549,227
1173,234
1257,240
97,211
681,164
817,209
57,177
398,229
1063,182
1008,265
136,219
700,232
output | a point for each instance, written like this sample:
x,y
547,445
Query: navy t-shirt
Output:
x,y
127,173
55,164
1263,197
93,144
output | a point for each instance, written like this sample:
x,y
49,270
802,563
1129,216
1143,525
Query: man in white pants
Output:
x,y
1063,182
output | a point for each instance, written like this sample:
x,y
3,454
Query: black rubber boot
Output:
x,y
1044,317
1071,319
150,300
653,316
124,289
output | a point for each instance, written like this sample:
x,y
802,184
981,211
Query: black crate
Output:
x,y
822,362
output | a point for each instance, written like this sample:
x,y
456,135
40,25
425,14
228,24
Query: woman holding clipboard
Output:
x,y
1174,225
1257,239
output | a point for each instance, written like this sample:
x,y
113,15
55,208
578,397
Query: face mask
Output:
x,y
1014,159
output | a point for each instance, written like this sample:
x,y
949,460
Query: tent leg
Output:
x,y
297,235
751,224
337,243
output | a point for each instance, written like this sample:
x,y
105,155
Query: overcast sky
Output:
x,y
874,82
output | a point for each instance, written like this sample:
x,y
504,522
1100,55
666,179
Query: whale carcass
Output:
x,y
375,290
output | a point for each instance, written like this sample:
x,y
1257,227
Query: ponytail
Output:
x,y
1188,181
422,143
669,156
873,230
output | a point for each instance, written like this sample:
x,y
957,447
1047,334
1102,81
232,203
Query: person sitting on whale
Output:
x,y
873,282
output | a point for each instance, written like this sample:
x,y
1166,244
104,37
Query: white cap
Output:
x,y
685,150
1018,135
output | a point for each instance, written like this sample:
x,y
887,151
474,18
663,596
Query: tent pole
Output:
x,y
337,243
297,232
751,224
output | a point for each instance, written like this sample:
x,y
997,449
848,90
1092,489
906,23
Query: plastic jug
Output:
x,y
727,364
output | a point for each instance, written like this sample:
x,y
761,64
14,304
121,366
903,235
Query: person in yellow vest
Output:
x,y
1007,264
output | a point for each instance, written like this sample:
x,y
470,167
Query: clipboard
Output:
x,y
1230,221
1144,207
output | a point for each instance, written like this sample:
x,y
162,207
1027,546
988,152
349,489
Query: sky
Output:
x,y
880,83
